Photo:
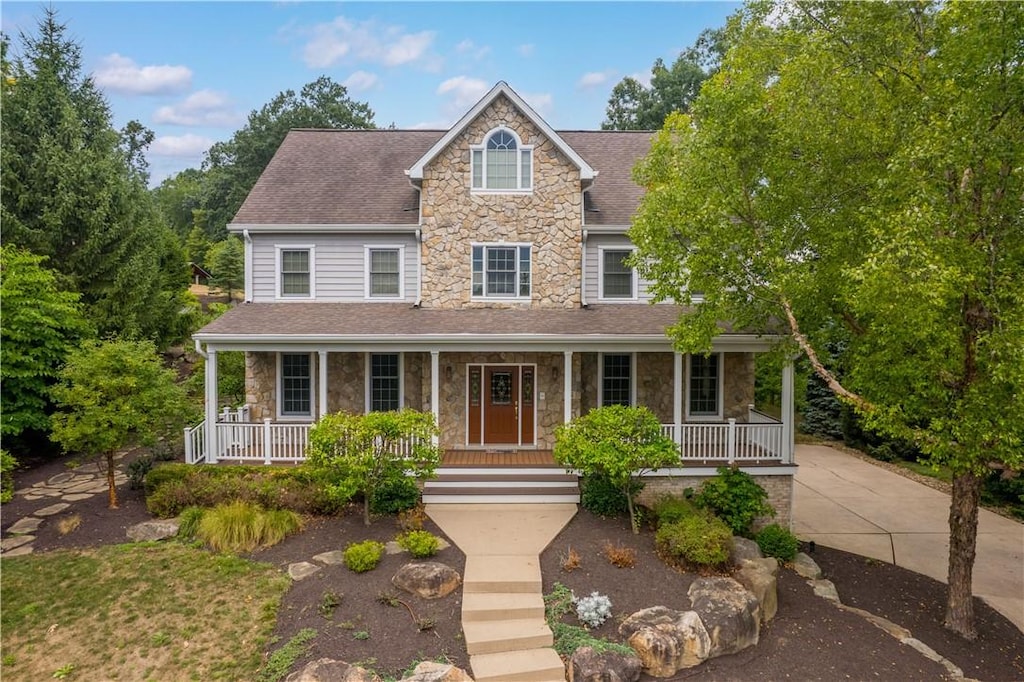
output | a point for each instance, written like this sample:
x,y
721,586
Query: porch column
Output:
x,y
435,388
567,387
787,412
677,397
322,382
211,406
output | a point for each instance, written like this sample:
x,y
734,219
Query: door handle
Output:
x,y
516,405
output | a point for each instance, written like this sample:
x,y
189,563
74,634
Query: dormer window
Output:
x,y
502,163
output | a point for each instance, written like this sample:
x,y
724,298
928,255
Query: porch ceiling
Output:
x,y
400,323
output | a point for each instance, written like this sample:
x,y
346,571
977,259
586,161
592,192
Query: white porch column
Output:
x,y
677,396
567,387
322,382
435,388
787,412
211,406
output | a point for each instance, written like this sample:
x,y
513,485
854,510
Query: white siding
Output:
x,y
590,280
340,263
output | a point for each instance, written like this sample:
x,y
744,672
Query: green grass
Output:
x,y
942,473
167,610
281,661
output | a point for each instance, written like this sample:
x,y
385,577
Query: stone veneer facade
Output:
x,y
454,217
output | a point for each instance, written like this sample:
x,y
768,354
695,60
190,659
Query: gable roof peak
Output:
x,y
501,88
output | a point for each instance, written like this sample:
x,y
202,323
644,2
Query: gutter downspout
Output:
x,y
248,265
199,349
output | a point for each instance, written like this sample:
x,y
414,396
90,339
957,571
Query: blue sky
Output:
x,y
192,71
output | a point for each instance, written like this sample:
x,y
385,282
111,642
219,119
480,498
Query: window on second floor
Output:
x,y
295,267
618,280
501,271
501,163
384,272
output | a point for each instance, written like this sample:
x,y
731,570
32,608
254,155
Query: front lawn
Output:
x,y
136,612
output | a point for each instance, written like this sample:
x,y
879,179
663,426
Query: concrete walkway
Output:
x,y
507,637
843,502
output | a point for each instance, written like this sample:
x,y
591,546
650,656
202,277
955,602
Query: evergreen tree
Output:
x,y
226,261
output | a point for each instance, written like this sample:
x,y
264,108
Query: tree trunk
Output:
x,y
963,539
632,512
366,508
111,486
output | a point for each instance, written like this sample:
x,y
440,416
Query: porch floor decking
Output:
x,y
498,458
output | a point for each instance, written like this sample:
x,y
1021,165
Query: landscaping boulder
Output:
x,y
805,567
158,529
430,671
667,640
743,549
587,665
760,576
330,670
428,579
730,614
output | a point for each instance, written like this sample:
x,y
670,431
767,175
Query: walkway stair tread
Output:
x,y
502,573
488,637
482,606
498,497
527,665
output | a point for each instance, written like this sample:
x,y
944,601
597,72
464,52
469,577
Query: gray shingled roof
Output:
x,y
356,177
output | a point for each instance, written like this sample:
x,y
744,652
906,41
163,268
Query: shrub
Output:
x,y
593,610
412,519
7,464
700,541
137,470
776,541
242,527
419,543
735,497
190,518
361,557
669,509
394,495
619,555
600,496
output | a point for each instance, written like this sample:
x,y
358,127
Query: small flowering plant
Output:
x,y
593,610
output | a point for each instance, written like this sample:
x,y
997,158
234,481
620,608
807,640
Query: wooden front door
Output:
x,y
501,404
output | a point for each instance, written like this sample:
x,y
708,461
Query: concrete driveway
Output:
x,y
843,502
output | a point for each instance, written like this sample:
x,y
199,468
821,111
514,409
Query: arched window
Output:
x,y
502,163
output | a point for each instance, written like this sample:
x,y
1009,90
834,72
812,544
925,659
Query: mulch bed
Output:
x,y
809,639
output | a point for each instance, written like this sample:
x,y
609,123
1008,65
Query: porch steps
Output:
x,y
501,485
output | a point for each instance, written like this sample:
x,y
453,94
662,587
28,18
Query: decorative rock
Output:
x,y
52,509
7,544
29,524
744,549
805,567
331,558
429,579
759,576
825,589
667,640
330,670
392,547
430,671
728,611
18,551
76,497
302,569
587,665
62,477
150,531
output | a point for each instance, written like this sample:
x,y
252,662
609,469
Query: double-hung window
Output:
x,y
296,372
384,272
616,379
618,279
385,386
705,396
502,163
501,271
295,272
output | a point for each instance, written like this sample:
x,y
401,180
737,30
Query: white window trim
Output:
x,y
600,276
401,271
600,378
520,147
312,390
368,395
278,248
501,299
717,417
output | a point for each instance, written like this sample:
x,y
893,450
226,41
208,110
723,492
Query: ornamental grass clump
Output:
x,y
242,527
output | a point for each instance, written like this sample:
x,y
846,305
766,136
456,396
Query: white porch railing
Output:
x,y
729,442
195,443
264,442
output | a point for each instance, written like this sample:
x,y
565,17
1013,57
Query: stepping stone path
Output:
x,y
57,493
304,569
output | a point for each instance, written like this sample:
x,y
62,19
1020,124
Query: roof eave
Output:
x,y
256,228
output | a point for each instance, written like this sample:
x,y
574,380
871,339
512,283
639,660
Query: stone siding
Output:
x,y
346,382
261,385
739,385
549,218
779,489
655,385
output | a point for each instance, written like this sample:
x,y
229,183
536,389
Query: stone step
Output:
x,y
527,665
501,605
502,573
491,637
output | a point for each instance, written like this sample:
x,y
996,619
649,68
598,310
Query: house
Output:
x,y
480,273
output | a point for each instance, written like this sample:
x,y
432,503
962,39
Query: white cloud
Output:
x,y
468,47
541,102
201,108
526,49
187,145
122,75
594,79
643,79
369,41
464,91
361,80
